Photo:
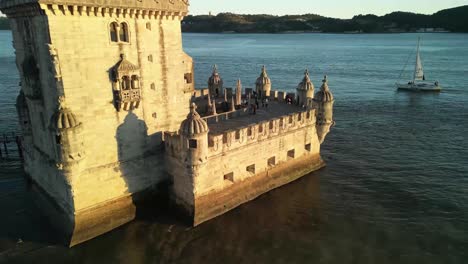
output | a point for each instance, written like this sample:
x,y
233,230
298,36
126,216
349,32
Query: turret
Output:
x,y
263,84
215,82
66,130
324,103
194,135
305,90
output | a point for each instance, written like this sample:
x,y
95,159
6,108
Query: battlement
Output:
x,y
233,138
225,135
102,8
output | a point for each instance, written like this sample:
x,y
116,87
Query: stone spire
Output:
x,y
215,82
239,92
233,104
263,83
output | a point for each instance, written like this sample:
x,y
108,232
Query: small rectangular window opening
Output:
x,y
308,147
229,177
291,154
251,168
272,161
193,144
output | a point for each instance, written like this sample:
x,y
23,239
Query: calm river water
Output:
x,y
395,189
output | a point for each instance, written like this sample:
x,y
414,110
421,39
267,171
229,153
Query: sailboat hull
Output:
x,y
419,87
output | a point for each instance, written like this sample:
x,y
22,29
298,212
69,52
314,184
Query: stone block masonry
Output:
x,y
101,81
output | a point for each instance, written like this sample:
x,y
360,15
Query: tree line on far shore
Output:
x,y
453,20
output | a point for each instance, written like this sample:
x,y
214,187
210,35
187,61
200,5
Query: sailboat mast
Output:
x,y
416,65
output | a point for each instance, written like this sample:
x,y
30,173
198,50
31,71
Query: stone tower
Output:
x,y
305,90
121,69
194,153
263,84
215,83
324,103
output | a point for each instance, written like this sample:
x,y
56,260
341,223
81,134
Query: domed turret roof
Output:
x,y
215,78
64,118
125,66
194,124
324,95
306,83
263,79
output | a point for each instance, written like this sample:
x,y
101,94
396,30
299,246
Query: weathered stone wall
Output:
x,y
120,146
236,157
234,151
65,50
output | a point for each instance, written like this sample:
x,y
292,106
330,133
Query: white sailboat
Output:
x,y
419,82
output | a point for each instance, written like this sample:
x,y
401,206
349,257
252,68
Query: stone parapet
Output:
x,y
145,8
239,138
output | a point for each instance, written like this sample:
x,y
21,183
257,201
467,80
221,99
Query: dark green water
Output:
x,y
395,189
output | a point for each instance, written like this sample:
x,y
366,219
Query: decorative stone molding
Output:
x,y
170,9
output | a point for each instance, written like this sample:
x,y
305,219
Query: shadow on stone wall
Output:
x,y
151,205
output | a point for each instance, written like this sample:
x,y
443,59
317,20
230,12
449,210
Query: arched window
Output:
x,y
113,32
123,35
135,82
126,83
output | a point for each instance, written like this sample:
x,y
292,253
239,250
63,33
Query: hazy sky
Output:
x,y
331,8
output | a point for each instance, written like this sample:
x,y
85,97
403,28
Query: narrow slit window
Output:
x,y
58,139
